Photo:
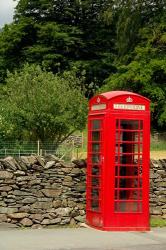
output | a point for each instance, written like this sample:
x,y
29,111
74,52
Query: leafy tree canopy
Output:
x,y
60,35
146,73
36,104
120,43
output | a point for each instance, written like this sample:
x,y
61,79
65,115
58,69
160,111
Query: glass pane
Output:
x,y
118,136
95,193
117,159
138,171
96,170
140,182
117,124
140,195
96,124
96,136
141,125
128,182
128,194
140,207
116,183
95,158
95,205
140,136
118,149
138,148
137,159
95,182
116,207
124,206
127,148
127,171
127,159
95,147
133,206
116,171
129,136
129,124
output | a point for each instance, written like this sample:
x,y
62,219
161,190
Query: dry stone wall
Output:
x,y
158,188
38,192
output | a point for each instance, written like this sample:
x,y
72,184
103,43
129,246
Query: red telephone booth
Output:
x,y
118,162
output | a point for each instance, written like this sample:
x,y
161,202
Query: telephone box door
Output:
x,y
94,170
131,173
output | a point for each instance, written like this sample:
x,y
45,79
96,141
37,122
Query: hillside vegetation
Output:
x,y
106,44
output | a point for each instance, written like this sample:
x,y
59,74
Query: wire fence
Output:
x,y
73,147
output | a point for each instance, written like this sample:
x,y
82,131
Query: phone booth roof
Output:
x,y
119,100
112,94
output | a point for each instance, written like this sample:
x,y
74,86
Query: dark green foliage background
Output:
x,y
112,44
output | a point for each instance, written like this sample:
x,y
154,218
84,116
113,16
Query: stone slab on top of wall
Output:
x,y
37,191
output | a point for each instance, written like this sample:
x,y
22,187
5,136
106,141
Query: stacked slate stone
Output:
x,y
158,188
39,192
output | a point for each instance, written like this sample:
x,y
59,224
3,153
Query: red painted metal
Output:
x,y
118,162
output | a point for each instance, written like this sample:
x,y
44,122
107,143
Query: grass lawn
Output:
x,y
158,145
157,222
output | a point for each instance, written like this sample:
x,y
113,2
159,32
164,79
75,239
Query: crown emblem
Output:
x,y
129,99
98,100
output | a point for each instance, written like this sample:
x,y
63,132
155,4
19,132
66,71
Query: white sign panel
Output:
x,y
98,107
129,106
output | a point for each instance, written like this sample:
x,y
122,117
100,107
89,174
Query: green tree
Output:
x,y
14,39
91,37
132,16
141,53
146,73
70,12
50,44
36,104
60,35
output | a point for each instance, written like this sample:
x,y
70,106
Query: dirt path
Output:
x,y
158,155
